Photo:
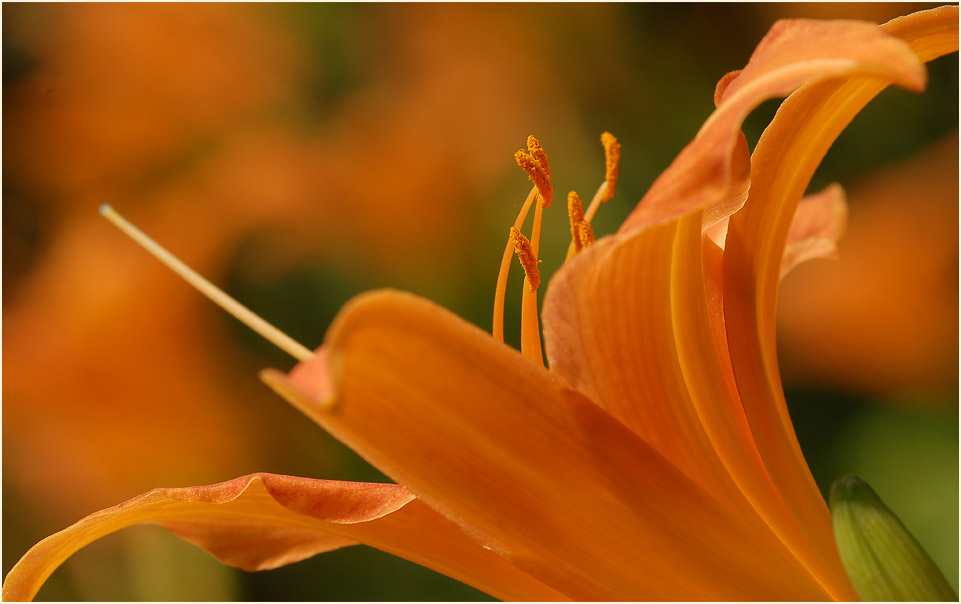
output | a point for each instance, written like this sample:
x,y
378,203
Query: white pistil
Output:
x,y
243,314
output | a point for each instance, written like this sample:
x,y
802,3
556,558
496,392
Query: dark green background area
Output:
x,y
656,94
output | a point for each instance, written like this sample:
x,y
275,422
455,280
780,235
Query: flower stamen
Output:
x,y
528,260
537,152
530,325
612,160
535,163
582,235
500,290
217,295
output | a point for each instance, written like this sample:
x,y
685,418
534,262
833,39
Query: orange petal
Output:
x,y
817,226
706,173
263,521
702,350
609,333
629,324
783,162
528,466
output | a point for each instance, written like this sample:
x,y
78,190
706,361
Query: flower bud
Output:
x,y
882,559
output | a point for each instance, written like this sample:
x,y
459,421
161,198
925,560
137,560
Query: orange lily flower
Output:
x,y
655,459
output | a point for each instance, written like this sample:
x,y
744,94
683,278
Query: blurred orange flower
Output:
x,y
123,89
656,458
184,116
119,94
883,317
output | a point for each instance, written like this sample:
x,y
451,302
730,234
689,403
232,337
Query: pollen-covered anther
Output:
x,y
537,152
612,160
586,233
575,211
537,167
525,253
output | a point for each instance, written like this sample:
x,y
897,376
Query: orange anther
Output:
x,y
582,235
536,165
537,152
525,253
575,211
586,233
575,207
612,159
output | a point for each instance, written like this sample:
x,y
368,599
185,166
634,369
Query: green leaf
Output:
x,y
882,559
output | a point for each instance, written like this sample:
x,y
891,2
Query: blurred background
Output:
x,y
301,154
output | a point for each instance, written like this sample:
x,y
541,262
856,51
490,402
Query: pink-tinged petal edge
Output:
x,y
262,521
816,228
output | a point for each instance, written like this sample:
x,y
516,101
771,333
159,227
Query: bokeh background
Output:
x,y
301,154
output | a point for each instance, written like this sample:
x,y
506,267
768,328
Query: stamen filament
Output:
x,y
596,202
218,296
500,290
530,326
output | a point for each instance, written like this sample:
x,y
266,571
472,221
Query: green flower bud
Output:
x,y
882,559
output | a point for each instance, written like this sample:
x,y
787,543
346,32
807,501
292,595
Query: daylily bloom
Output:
x,y
655,458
